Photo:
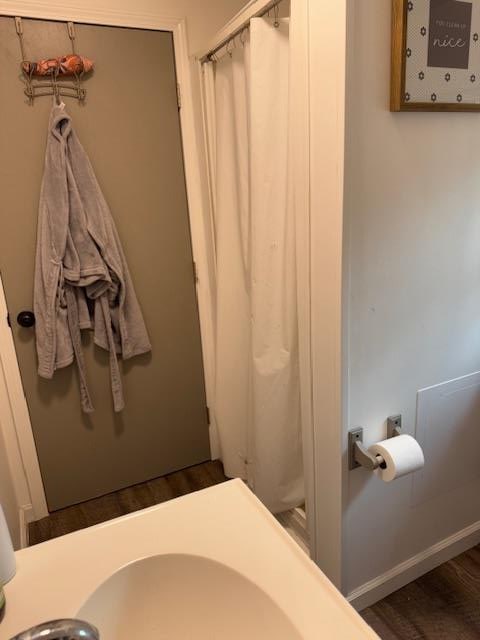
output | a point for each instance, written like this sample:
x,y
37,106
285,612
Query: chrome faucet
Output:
x,y
60,630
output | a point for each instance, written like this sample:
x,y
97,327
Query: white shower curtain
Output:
x,y
257,403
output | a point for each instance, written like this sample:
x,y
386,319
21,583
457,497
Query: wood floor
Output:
x,y
125,501
441,605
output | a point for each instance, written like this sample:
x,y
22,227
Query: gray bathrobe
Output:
x,y
81,275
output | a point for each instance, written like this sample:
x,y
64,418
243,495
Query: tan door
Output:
x,y
130,129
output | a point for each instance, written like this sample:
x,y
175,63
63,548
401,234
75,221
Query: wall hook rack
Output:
x,y
358,454
42,78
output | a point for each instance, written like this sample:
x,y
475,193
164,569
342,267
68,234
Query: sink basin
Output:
x,y
213,564
184,597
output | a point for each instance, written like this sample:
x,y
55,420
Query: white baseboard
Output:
x,y
382,586
25,516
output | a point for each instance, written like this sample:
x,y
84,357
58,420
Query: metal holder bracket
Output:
x,y
394,426
359,456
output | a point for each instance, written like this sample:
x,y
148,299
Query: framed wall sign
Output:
x,y
435,55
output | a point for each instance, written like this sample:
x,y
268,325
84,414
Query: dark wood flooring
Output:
x,y
441,605
125,501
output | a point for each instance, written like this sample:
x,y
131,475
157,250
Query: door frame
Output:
x,y
15,421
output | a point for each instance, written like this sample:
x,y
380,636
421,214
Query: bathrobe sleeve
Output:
x,y
54,348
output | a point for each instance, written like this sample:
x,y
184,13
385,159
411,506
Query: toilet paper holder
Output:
x,y
359,456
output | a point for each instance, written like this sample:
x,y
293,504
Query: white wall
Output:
x,y
412,242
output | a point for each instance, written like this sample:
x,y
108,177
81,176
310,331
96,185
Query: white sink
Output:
x,y
182,596
213,564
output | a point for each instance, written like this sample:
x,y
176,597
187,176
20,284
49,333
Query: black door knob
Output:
x,y
26,319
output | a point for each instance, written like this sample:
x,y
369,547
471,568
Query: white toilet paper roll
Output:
x,y
402,455
7,556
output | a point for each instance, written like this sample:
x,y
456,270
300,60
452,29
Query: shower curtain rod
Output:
x,y
255,9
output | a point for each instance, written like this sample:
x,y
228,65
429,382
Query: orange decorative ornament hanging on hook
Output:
x,y
69,65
